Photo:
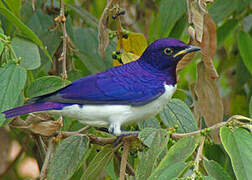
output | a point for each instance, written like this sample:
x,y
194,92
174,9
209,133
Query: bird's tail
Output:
x,y
35,107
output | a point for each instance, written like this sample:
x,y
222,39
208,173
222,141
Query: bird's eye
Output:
x,y
168,51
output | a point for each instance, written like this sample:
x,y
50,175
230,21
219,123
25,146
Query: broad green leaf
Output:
x,y
152,138
14,6
225,30
98,163
245,46
215,170
28,52
1,47
179,152
84,15
172,172
86,41
222,8
45,85
238,145
209,178
12,78
178,113
250,107
68,157
21,26
169,13
149,123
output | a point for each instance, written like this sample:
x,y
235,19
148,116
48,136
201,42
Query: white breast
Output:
x,y
104,115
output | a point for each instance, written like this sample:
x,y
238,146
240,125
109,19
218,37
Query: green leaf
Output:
x,y
222,8
86,41
28,52
238,145
179,152
44,85
225,30
98,163
152,138
149,123
250,107
84,15
215,170
169,13
245,46
172,172
14,6
21,26
12,78
178,113
68,157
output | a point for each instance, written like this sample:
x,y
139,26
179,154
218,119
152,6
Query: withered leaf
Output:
x,y
196,12
207,98
208,45
39,123
103,31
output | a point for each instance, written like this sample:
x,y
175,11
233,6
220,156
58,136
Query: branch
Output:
x,y
49,152
124,159
129,169
64,51
198,157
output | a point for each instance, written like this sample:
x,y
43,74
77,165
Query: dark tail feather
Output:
x,y
29,108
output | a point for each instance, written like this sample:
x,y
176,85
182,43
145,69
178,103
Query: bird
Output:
x,y
120,95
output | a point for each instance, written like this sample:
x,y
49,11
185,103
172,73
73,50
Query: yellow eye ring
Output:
x,y
168,51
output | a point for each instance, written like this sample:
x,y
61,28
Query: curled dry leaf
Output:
x,y
208,45
188,58
39,123
103,31
196,12
206,98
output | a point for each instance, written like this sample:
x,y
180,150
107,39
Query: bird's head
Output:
x,y
165,53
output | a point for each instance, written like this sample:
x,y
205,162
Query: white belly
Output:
x,y
104,115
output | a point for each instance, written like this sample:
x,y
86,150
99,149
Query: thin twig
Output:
x,y
64,51
129,169
49,152
73,133
124,159
198,157
119,28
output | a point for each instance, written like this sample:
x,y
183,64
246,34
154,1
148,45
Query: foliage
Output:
x,y
37,43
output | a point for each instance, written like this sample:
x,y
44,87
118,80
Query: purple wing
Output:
x,y
127,84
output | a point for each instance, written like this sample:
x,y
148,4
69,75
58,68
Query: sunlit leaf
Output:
x,y
178,113
238,145
14,6
245,46
68,157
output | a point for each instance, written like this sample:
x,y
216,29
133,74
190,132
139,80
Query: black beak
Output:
x,y
192,49
189,49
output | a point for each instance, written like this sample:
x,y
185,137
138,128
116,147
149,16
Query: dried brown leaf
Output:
x,y
103,28
207,98
39,123
208,45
